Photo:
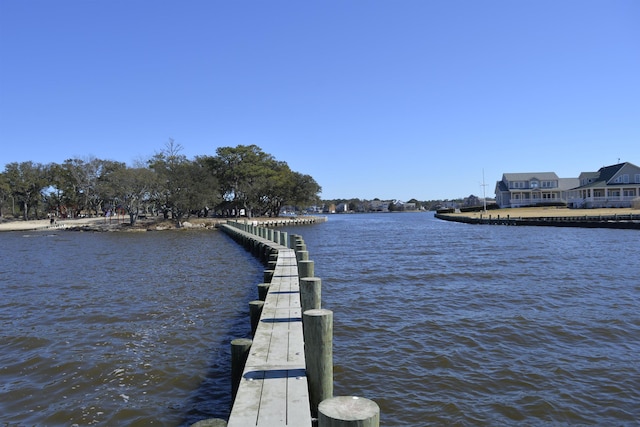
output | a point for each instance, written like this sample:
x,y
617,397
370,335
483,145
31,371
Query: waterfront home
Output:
x,y
516,190
612,186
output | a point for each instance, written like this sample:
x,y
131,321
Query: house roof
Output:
x,y
568,183
604,175
527,176
608,172
501,186
588,175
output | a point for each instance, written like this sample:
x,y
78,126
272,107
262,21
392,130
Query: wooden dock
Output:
x,y
273,390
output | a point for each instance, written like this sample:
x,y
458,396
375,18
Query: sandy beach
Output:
x,y
45,224
154,223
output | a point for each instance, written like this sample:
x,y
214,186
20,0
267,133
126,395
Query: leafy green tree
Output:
x,y
305,190
5,192
242,173
254,181
167,164
131,189
26,181
275,188
183,186
80,183
203,191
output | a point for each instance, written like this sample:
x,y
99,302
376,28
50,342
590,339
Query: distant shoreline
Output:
x,y
622,218
152,224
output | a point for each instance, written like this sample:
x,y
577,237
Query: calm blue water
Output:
x,y
440,323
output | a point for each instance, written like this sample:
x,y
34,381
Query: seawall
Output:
x,y
600,221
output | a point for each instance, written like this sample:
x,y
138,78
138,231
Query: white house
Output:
x,y
532,188
612,186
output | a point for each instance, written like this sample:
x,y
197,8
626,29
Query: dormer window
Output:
x,y
534,184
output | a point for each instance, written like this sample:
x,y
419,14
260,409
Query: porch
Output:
x,y
604,197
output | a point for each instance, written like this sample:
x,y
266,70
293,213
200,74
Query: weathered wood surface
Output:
x,y
273,390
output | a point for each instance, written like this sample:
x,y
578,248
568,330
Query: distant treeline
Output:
x,y
376,205
237,180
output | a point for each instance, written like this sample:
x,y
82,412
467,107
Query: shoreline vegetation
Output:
x,y
143,224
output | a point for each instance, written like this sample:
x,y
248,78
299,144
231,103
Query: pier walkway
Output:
x,y
273,390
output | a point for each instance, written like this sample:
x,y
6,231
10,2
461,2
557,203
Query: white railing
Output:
x,y
603,199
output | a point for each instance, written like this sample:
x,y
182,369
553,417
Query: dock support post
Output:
x,y
255,310
239,352
263,290
318,351
310,293
348,411
211,422
305,269
268,275
302,255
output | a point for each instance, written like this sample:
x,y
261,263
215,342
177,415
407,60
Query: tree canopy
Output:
x,y
237,180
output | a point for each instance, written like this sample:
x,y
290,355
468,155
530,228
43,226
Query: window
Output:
x,y
638,178
534,184
625,178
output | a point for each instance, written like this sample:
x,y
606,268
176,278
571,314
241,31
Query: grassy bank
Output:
x,y
545,212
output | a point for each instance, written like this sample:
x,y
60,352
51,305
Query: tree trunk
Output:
x,y
133,217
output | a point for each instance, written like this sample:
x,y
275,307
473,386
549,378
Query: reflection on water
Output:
x,y
439,323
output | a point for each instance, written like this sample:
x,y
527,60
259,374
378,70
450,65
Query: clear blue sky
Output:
x,y
389,99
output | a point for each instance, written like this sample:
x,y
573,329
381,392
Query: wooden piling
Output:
x,y
310,293
318,350
284,239
255,310
294,239
211,422
305,268
302,255
239,352
348,411
268,275
263,290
